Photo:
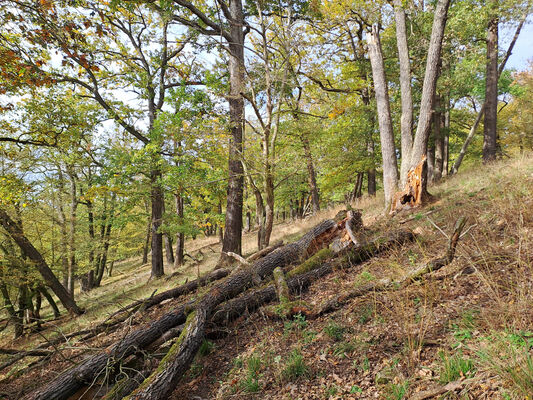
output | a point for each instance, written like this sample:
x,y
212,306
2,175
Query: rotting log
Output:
x,y
265,251
415,192
383,284
177,361
88,370
297,283
141,305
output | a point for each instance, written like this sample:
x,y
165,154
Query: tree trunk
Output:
x,y
491,92
439,140
233,224
168,249
157,218
146,247
16,233
430,84
72,232
446,156
470,136
63,228
371,173
388,151
311,174
180,237
50,300
406,122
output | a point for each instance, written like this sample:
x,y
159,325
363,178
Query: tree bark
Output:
x,y
16,233
233,224
491,91
430,83
388,150
180,237
406,121
157,218
311,174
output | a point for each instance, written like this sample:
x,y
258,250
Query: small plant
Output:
x,y
342,349
397,391
364,277
334,331
205,348
251,382
355,389
511,357
455,367
295,367
365,314
331,391
298,323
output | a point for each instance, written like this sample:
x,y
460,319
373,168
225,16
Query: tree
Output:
x,y
490,144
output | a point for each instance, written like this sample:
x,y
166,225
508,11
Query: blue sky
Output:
x,y
523,50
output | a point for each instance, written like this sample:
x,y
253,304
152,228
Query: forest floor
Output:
x,y
463,332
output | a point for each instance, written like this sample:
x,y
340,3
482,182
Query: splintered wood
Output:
x,y
414,193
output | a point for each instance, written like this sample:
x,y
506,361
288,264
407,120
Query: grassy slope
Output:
x,y
380,346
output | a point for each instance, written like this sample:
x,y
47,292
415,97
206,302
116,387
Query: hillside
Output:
x,y
465,331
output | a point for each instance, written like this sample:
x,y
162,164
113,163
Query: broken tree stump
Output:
x,y
415,191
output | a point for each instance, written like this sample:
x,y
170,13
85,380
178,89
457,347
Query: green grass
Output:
x,y
295,366
455,367
334,331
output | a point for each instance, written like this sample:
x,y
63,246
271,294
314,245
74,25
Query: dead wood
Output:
x,y
113,322
239,258
265,251
163,381
88,370
415,192
383,284
91,367
254,299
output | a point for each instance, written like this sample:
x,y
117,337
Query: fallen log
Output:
x,y
298,279
88,370
165,378
383,284
254,299
265,251
141,305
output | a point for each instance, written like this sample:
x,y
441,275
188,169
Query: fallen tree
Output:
x,y
179,357
164,379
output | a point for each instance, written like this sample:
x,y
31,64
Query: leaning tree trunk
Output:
x,y
491,92
16,233
388,150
